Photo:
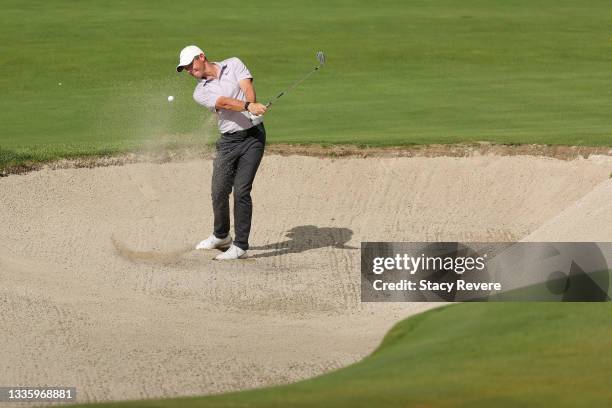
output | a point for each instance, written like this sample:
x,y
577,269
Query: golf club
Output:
x,y
320,57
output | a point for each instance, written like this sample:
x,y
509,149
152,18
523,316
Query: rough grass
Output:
x,y
399,73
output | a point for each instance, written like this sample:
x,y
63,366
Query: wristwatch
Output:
x,y
246,106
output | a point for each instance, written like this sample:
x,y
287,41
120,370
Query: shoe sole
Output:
x,y
245,256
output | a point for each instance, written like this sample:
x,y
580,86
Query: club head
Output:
x,y
321,58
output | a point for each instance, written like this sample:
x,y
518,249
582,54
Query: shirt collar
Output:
x,y
203,81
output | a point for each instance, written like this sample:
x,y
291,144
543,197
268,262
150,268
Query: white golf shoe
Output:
x,y
213,242
232,253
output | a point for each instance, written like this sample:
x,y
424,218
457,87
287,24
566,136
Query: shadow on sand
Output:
x,y
306,237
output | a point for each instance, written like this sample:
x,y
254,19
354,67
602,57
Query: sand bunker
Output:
x,y
101,290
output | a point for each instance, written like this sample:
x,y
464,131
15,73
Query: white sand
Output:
x,y
101,291
588,219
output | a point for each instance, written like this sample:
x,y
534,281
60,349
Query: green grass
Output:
x,y
398,73
465,355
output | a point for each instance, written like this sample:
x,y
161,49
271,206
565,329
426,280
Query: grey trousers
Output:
x,y
235,166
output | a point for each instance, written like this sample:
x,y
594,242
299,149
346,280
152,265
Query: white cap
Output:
x,y
187,55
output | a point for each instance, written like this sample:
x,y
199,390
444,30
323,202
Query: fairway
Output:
x,y
400,73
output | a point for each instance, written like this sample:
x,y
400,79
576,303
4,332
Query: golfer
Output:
x,y
226,89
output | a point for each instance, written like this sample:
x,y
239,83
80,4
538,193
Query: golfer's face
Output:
x,y
196,68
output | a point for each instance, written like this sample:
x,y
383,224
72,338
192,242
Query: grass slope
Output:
x,y
476,355
399,72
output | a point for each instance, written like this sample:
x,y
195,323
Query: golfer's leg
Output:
x,y
224,168
243,183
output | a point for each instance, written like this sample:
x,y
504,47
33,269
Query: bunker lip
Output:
x,y
561,152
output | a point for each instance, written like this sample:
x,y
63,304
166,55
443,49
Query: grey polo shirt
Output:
x,y
207,91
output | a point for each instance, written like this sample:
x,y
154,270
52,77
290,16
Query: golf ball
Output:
x,y
170,98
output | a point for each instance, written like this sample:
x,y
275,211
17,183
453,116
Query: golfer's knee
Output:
x,y
220,192
242,193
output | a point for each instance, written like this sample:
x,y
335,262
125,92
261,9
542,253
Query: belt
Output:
x,y
240,132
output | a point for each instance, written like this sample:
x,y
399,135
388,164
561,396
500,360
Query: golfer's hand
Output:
x,y
257,108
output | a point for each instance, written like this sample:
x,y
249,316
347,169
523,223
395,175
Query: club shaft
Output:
x,y
293,86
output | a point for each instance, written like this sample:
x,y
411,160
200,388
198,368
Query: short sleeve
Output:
x,y
242,72
205,97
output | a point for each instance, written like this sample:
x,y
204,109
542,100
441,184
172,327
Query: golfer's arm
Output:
x,y
223,102
249,90
237,105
